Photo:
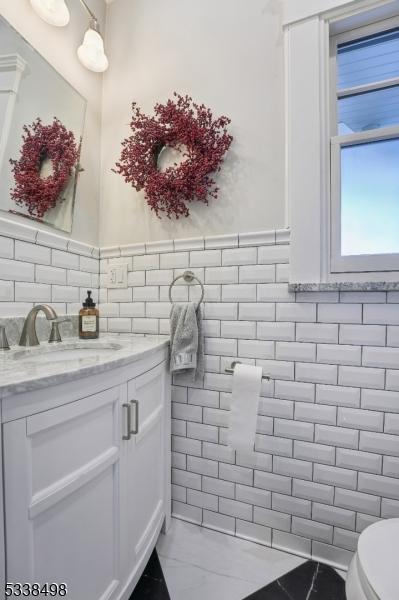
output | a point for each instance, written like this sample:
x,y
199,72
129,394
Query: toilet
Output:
x,y
374,571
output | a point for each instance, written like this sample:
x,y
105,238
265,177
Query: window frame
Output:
x,y
364,262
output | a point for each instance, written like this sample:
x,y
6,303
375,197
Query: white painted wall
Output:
x,y
227,54
58,46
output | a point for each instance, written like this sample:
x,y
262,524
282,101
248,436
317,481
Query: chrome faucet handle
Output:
x,y
55,335
4,345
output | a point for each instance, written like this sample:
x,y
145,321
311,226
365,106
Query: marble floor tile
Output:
x,y
186,581
209,561
199,564
310,581
152,585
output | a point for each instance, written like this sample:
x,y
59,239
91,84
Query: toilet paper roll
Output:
x,y
247,381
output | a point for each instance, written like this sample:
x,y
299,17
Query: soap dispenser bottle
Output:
x,y
88,319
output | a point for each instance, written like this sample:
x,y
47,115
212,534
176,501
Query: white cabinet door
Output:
x,y
62,496
146,463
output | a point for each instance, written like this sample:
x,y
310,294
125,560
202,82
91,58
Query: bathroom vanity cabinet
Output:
x,y
86,477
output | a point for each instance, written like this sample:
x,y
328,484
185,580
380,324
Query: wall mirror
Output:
x,y
41,131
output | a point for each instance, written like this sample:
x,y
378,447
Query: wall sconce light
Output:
x,y
54,12
91,52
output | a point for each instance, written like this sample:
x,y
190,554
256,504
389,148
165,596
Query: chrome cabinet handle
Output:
x,y
135,403
128,421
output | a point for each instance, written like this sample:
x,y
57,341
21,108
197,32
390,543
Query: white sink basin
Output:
x,y
53,353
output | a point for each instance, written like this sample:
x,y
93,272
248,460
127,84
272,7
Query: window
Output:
x,y
365,149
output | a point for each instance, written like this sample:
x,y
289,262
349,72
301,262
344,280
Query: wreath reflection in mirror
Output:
x,y
183,126
55,145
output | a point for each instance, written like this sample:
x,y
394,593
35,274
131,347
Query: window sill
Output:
x,y
346,286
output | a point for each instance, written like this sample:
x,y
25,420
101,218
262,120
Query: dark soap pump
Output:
x,y
88,319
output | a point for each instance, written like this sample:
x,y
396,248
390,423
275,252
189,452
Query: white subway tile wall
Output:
x,y
325,462
48,268
326,458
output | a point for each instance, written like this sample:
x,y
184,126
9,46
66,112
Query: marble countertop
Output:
x,y
346,286
27,369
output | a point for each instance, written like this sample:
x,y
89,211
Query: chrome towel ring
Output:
x,y
188,277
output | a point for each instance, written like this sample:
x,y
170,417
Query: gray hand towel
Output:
x,y
187,352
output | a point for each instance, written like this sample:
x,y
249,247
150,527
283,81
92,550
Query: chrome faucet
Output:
x,y
29,335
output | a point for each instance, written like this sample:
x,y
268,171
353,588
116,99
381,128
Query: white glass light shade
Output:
x,y
91,53
54,12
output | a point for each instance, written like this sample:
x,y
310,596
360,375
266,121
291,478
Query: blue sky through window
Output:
x,y
370,198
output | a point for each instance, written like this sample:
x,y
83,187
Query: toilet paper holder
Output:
x,y
238,362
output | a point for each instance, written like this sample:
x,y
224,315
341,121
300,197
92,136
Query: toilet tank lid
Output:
x,y
378,553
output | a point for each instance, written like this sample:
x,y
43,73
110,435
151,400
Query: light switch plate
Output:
x,y
117,275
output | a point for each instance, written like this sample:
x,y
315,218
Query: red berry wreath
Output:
x,y
40,142
183,125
